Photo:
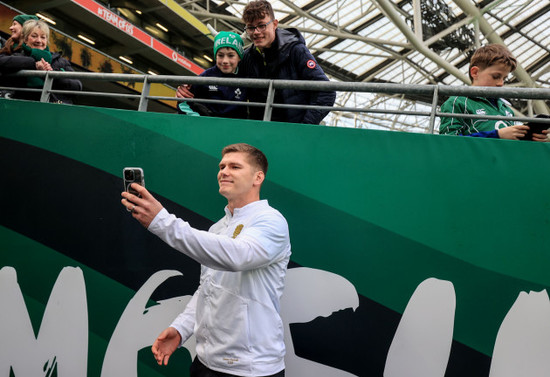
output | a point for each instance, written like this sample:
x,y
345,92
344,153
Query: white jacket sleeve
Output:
x,y
258,245
185,321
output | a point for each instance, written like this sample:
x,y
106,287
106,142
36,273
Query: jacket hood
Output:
x,y
286,38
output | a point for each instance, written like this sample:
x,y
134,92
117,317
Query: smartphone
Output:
x,y
536,128
133,175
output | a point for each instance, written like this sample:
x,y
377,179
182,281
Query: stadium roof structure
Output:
x,y
378,41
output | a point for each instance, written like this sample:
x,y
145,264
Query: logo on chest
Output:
x,y
237,230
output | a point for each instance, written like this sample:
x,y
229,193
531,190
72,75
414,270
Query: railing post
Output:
x,y
143,99
269,101
431,126
45,95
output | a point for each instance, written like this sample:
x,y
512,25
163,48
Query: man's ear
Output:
x,y
275,23
260,177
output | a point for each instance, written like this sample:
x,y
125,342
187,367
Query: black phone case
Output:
x,y
536,128
138,177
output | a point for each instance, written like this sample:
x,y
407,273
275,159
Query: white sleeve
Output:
x,y
185,321
258,245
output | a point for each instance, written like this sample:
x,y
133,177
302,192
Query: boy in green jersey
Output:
x,y
489,66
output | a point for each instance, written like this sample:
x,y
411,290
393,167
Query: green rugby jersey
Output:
x,y
473,105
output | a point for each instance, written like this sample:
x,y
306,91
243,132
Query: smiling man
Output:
x,y
281,54
234,313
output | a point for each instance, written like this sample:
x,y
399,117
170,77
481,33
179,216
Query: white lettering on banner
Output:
x,y
184,62
61,346
139,326
115,20
62,342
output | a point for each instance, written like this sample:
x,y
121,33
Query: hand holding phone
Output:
x,y
148,207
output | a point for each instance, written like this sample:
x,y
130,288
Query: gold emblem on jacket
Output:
x,y
238,230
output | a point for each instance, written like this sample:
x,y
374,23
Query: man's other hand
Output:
x,y
165,345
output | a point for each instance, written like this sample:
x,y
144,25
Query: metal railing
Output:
x,y
433,91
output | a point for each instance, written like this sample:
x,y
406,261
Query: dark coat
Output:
x,y
287,59
20,61
219,92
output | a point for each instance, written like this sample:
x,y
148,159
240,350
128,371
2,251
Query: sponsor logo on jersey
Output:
x,y
481,111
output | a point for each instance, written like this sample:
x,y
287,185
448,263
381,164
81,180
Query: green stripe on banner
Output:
x,y
386,210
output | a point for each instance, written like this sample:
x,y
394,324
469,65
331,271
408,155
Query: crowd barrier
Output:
x,y
431,91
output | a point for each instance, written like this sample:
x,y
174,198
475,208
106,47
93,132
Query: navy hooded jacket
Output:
x,y
288,58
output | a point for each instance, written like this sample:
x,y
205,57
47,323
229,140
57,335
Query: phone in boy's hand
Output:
x,y
536,128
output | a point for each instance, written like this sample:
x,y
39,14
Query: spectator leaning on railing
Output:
x,y
32,53
228,50
16,29
489,66
7,48
281,54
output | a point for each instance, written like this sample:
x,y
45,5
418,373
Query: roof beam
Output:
x,y
388,8
331,32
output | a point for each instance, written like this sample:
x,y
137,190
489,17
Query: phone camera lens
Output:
x,y
129,175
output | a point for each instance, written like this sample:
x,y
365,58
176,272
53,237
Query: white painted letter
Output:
x,y
62,341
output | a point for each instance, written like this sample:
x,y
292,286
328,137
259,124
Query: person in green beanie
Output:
x,y
16,29
228,50
34,54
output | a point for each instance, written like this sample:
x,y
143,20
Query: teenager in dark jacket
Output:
x,y
281,54
228,50
33,54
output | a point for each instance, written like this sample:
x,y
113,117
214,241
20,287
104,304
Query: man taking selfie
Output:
x,y
234,313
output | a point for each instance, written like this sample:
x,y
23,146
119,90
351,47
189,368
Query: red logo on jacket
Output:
x,y
311,64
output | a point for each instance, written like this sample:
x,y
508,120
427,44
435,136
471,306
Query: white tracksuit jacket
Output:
x,y
234,313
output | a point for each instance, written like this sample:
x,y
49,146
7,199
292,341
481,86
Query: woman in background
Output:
x,y
15,30
32,53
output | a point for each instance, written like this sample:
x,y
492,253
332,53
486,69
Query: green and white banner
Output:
x,y
413,255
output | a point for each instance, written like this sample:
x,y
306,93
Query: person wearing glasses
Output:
x,y
281,54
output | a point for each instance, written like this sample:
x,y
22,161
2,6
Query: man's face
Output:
x,y
237,177
263,38
227,59
493,75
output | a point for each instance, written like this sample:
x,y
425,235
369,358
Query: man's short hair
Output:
x,y
256,10
255,156
492,54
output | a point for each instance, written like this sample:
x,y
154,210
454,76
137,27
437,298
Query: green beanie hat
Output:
x,y
21,18
228,39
